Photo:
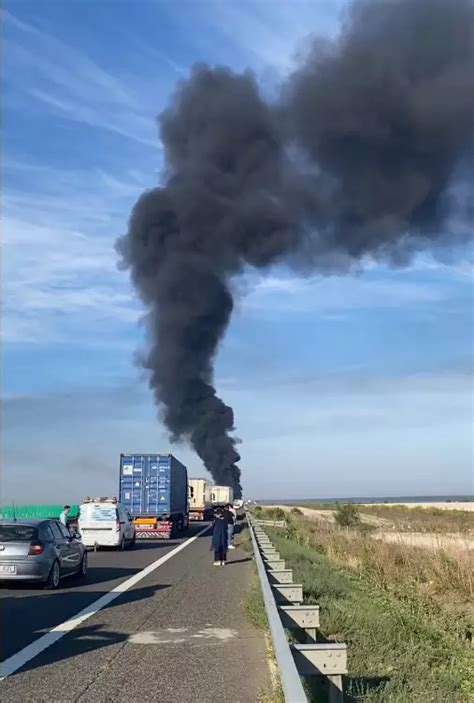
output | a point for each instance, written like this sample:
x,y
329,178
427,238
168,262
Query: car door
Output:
x,y
73,551
61,544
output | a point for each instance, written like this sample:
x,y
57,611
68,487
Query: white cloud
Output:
x,y
268,34
60,267
275,294
68,83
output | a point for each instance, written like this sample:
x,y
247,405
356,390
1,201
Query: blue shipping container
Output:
x,y
153,484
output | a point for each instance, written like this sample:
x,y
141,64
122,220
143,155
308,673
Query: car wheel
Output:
x,y
84,565
54,576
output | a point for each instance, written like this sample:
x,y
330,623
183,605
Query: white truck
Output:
x,y
220,495
200,506
239,508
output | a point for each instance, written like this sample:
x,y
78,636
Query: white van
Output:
x,y
105,523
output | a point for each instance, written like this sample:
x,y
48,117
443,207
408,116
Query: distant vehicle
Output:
x,y
103,522
43,551
200,506
220,495
239,508
154,489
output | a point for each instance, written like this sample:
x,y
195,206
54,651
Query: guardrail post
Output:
x,y
335,689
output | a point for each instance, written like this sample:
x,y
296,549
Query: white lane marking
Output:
x,y
179,635
16,661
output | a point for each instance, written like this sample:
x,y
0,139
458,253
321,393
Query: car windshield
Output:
x,y
16,533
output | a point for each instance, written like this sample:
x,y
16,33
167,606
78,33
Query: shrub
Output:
x,y
347,515
279,514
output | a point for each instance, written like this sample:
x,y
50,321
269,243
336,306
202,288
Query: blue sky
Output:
x,y
355,385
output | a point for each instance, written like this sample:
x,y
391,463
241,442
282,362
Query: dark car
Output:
x,y
43,551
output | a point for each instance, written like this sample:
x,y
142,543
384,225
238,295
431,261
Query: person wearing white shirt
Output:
x,y
63,517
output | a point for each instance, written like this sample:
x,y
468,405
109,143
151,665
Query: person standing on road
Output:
x,y
64,515
219,537
231,517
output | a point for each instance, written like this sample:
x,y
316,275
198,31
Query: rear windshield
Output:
x,y
98,512
16,533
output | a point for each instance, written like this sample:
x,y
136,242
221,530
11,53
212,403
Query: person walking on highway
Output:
x,y
231,517
219,538
64,515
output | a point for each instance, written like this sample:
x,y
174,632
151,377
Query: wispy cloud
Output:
x,y
318,295
60,267
269,34
68,83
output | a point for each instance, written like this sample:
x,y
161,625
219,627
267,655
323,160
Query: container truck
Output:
x,y
200,506
154,489
220,495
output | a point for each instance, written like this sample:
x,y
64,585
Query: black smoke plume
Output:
x,y
356,157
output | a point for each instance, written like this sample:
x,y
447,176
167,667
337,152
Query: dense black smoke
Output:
x,y
355,158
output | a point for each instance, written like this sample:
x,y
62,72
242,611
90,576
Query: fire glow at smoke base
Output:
x,y
354,159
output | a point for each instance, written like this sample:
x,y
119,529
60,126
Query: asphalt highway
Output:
x,y
178,631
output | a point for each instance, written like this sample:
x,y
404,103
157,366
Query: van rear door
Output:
x,y
98,522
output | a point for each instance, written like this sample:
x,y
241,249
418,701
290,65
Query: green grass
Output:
x,y
401,649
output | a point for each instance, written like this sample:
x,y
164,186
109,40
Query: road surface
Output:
x,y
179,633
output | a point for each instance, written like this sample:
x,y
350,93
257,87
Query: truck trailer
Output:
x,y
200,506
220,495
154,489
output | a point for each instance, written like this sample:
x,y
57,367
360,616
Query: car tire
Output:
x,y
54,577
83,567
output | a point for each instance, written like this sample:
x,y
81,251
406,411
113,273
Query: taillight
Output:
x,y
36,548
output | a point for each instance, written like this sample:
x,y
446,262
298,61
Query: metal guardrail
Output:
x,y
283,603
270,523
290,679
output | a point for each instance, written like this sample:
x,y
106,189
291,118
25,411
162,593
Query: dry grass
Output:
x,y
393,566
423,519
405,612
400,648
399,517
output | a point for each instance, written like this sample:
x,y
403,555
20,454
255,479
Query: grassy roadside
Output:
x,y
403,518
403,648
254,608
